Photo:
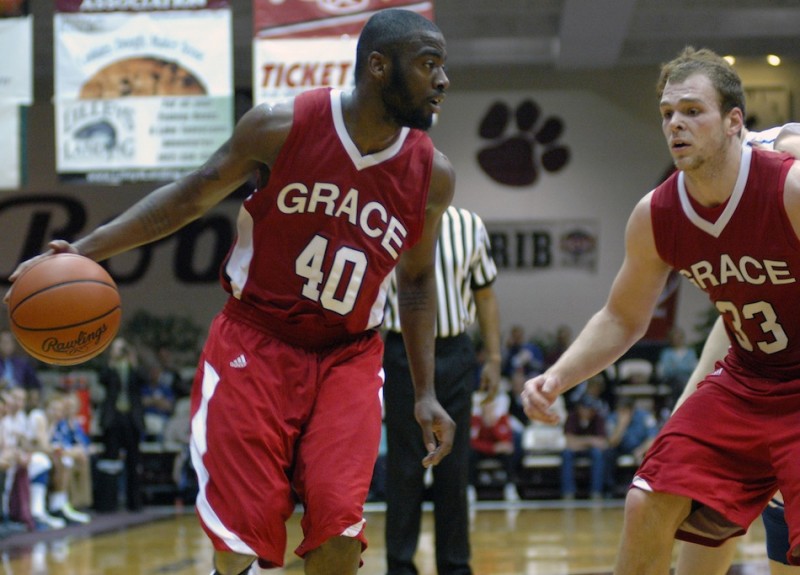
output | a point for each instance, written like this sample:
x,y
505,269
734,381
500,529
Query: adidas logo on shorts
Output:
x,y
239,362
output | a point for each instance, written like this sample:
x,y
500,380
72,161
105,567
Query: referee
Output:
x,y
465,272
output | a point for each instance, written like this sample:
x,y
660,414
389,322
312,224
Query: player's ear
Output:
x,y
736,121
378,65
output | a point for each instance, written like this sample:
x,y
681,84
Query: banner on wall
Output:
x,y
535,246
304,44
10,146
143,90
16,87
16,73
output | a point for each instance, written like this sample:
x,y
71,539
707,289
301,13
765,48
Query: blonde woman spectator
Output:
x,y
78,445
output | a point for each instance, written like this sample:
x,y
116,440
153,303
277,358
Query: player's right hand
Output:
x,y
54,247
538,396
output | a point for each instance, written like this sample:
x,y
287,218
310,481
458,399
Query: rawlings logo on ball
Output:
x,y
77,345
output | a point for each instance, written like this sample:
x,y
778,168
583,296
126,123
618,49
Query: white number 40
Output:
x,y
309,266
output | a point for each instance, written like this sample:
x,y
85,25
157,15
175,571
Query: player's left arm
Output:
x,y
416,296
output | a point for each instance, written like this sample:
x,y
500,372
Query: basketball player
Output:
x,y
728,220
286,393
697,559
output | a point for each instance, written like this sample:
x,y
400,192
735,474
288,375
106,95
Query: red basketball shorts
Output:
x,y
728,448
271,422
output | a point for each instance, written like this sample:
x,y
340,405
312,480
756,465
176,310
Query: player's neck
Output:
x,y
712,183
367,124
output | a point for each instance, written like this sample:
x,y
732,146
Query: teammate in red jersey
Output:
x,y
698,559
728,220
286,394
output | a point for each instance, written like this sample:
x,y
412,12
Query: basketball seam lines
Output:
x,y
60,327
29,296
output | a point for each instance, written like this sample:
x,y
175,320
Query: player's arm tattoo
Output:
x,y
154,217
412,298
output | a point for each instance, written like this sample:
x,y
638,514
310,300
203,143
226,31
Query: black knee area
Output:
x,y
777,532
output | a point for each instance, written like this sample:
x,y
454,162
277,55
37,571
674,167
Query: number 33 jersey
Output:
x,y
316,244
745,255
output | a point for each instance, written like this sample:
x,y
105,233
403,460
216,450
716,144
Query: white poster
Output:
x,y
16,73
141,95
10,172
168,133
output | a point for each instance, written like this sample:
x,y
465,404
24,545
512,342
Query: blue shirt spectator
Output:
x,y
677,361
521,357
16,370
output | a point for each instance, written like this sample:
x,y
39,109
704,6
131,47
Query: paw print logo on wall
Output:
x,y
516,159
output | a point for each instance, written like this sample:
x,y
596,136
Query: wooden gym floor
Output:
x,y
525,538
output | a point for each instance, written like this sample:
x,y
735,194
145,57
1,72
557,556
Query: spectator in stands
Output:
x,y
16,369
585,435
44,463
77,446
630,429
561,342
520,356
17,492
8,460
170,375
519,421
62,458
596,387
676,362
158,401
122,415
491,437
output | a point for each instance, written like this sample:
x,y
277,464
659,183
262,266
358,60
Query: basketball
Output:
x,y
65,309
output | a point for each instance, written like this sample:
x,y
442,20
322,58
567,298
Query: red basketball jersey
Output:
x,y
316,244
747,260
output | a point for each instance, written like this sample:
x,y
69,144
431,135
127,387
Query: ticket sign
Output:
x,y
304,44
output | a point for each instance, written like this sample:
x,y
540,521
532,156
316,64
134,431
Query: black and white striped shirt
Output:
x,y
463,263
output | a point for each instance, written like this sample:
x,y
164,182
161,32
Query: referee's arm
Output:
x,y
488,315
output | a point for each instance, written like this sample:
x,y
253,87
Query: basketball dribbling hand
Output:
x,y
55,247
538,396
438,430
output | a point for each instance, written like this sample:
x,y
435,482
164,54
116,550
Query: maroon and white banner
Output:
x,y
304,44
143,89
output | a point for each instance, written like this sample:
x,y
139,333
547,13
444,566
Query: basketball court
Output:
x,y
524,538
